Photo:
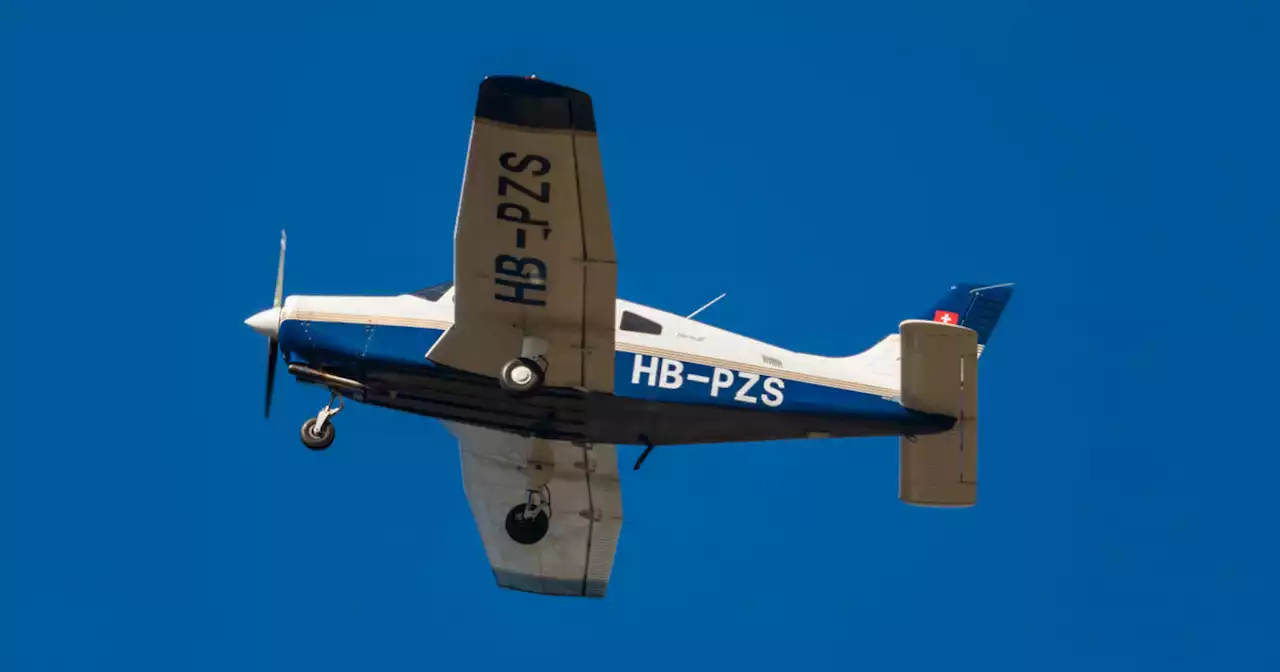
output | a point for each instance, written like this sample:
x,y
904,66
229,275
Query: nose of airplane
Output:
x,y
266,322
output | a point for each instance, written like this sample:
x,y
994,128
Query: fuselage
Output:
x,y
676,380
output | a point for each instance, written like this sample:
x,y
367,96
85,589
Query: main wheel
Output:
x,y
317,440
527,529
521,376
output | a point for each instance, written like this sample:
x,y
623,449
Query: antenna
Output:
x,y
690,315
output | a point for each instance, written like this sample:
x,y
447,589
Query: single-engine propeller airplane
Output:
x,y
538,368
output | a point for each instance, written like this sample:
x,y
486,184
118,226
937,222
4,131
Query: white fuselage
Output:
x,y
874,371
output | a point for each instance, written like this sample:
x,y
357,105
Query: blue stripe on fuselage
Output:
x,y
321,343
635,376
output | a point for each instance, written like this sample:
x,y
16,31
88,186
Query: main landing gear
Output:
x,y
318,432
522,375
526,374
528,523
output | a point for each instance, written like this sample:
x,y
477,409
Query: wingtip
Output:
x,y
534,103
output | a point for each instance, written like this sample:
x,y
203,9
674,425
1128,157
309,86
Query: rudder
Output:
x,y
972,305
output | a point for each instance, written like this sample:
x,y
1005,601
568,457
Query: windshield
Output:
x,y
434,292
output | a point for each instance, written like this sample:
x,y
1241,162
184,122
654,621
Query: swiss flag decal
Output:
x,y
946,317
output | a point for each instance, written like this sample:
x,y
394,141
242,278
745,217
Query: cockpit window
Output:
x,y
434,292
643,325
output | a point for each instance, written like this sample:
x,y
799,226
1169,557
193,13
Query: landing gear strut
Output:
x,y
318,432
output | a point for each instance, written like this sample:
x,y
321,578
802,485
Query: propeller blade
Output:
x,y
273,347
273,353
280,274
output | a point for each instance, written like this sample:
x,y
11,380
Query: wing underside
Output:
x,y
533,245
549,512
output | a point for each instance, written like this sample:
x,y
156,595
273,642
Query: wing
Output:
x,y
559,540
533,247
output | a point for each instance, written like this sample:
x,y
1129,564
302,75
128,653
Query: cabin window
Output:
x,y
643,325
434,292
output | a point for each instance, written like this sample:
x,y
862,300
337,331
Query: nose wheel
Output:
x,y
318,432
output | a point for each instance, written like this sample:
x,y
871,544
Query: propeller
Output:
x,y
273,345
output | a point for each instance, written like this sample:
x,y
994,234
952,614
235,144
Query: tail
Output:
x,y
971,305
938,373
977,307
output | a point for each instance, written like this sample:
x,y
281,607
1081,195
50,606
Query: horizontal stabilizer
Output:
x,y
940,375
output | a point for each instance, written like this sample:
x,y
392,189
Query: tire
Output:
x,y
521,376
316,441
527,531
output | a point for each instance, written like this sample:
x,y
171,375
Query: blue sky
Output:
x,y
833,169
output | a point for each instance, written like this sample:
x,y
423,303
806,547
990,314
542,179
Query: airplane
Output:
x,y
540,370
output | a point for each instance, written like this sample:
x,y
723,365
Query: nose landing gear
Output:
x,y
318,432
